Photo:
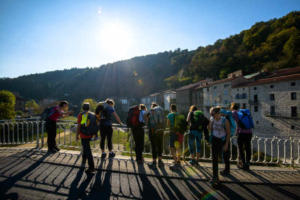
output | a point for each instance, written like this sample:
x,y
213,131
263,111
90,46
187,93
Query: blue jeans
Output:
x,y
195,135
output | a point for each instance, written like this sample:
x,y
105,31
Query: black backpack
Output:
x,y
47,113
100,111
92,127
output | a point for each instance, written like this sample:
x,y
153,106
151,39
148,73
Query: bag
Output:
x,y
47,113
133,116
180,124
158,118
201,123
232,124
100,111
89,124
245,119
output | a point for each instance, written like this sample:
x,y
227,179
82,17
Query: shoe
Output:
x,y
51,151
215,183
175,166
94,138
152,165
225,172
56,149
90,171
160,163
103,155
240,165
246,167
112,154
192,162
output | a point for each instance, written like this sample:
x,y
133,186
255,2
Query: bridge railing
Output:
x,y
265,150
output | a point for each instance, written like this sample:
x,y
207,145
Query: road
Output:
x,y
34,174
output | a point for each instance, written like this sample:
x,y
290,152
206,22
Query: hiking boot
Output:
x,y
240,165
90,170
225,172
246,166
103,155
56,149
160,163
152,165
112,154
51,151
193,162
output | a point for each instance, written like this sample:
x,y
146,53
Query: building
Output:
x,y
20,103
164,99
184,95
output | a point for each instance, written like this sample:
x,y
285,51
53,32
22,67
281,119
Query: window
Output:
x,y
226,85
215,87
272,110
257,122
243,88
293,83
272,97
237,96
254,88
271,86
292,127
294,111
244,106
272,124
244,96
255,98
255,108
293,96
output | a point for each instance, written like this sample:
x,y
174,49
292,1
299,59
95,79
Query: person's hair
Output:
x,y
173,107
215,110
143,107
234,106
153,105
62,103
192,108
86,106
110,102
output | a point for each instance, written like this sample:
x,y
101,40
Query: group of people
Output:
x,y
217,130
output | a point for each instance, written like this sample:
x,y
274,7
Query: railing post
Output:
x,y
291,151
18,140
4,138
258,150
284,150
13,131
298,151
278,150
265,149
272,153
37,135
27,132
32,131
23,141
43,133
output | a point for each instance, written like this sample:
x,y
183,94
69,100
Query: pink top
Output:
x,y
239,129
55,114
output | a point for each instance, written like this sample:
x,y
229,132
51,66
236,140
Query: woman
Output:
x,y
220,131
194,134
106,130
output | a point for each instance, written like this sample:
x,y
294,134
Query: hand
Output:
x,y
225,147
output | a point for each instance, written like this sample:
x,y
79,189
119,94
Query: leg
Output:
x,y
109,138
103,137
172,145
153,145
135,138
248,148
216,151
141,138
198,145
159,145
226,157
191,145
240,141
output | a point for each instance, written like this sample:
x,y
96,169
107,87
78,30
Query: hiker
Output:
x,y
156,125
106,129
244,134
176,136
52,115
136,121
220,137
198,124
83,121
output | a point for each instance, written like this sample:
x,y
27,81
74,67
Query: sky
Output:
x,y
45,35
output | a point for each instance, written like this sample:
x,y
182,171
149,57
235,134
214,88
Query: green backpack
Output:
x,y
180,124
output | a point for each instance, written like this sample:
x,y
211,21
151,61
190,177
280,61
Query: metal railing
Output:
x,y
263,150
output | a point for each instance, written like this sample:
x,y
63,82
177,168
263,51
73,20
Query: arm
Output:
x,y
78,128
117,118
188,119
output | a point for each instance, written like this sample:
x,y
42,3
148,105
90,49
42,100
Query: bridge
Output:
x,y
27,171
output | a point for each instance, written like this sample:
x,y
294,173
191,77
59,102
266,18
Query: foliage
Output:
x,y
92,102
7,105
32,106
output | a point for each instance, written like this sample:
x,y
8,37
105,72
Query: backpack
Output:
x,y
47,113
158,118
90,126
229,117
133,117
180,124
245,119
200,122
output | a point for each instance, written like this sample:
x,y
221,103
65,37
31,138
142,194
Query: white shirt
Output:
x,y
218,129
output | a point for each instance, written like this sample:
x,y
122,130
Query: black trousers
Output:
x,y
217,149
156,139
106,132
51,132
87,152
138,136
244,144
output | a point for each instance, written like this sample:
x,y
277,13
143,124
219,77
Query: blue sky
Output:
x,y
43,35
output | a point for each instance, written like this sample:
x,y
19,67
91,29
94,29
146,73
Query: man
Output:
x,y
156,128
82,120
55,113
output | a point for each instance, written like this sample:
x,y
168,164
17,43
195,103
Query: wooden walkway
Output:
x,y
33,174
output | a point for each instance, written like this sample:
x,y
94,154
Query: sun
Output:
x,y
116,39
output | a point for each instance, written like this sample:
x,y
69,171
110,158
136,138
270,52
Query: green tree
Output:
x,y
7,105
32,106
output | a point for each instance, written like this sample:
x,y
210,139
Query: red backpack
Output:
x,y
133,117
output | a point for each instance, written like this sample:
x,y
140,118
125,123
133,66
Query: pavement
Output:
x,y
34,174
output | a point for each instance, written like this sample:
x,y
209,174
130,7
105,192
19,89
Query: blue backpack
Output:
x,y
229,117
245,119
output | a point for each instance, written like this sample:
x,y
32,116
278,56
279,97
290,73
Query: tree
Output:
x,y
32,106
7,105
92,102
